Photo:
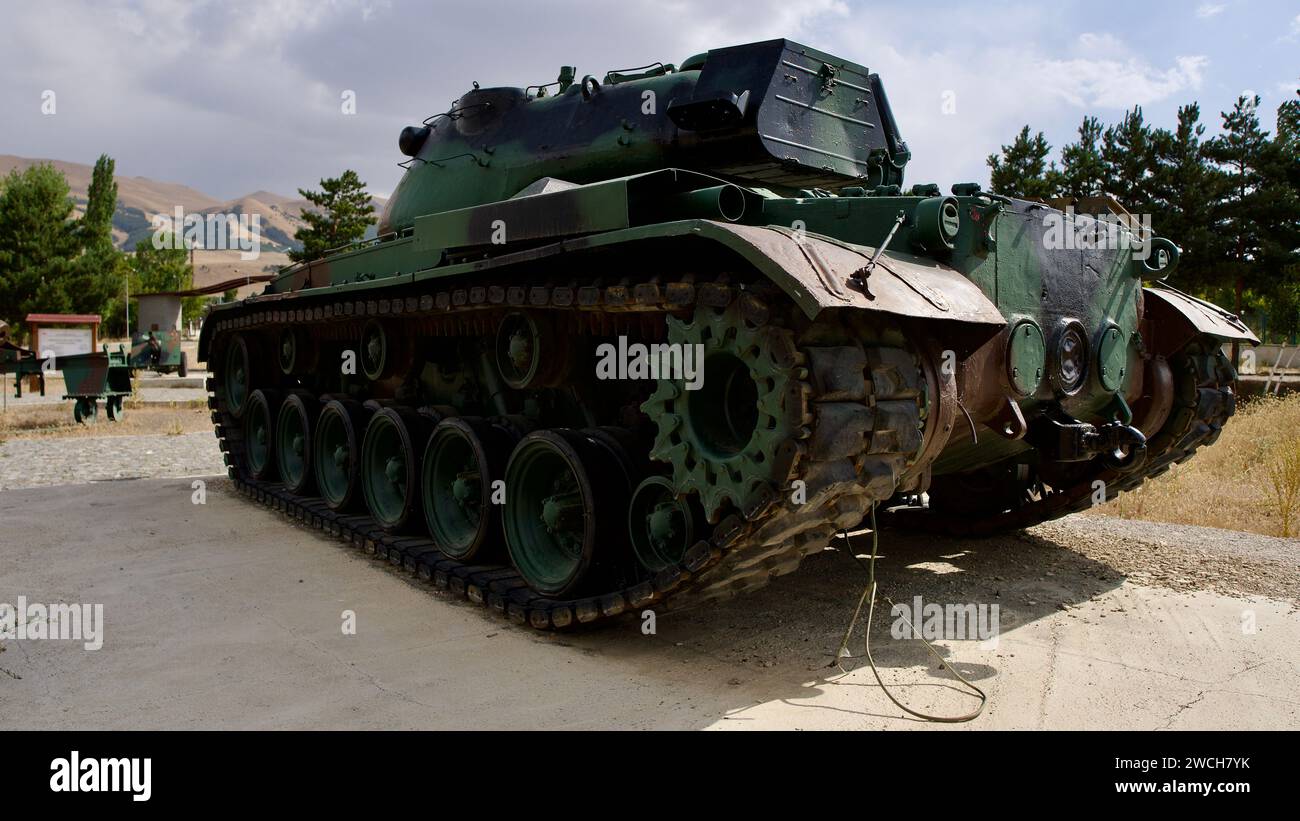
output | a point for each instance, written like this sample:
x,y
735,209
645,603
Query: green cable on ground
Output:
x,y
870,591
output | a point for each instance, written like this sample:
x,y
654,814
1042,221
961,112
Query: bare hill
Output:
x,y
140,199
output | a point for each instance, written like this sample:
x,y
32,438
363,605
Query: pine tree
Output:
x,y
1277,212
345,213
1022,169
1082,170
1183,189
37,241
1239,150
1126,155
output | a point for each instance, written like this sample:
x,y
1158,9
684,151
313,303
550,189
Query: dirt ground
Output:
x,y
224,615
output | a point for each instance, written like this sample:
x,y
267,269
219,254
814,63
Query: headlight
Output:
x,y
1070,365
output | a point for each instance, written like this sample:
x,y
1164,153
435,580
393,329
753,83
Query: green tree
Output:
x,y
97,277
37,241
1240,151
1083,173
1183,190
96,226
1021,170
1277,213
1126,155
343,216
158,267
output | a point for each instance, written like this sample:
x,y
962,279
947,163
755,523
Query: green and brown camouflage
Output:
x,y
158,351
1000,354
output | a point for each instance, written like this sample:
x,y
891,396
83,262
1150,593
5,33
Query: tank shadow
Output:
x,y
779,643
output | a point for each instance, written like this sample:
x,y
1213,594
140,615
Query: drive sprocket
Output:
x,y
731,439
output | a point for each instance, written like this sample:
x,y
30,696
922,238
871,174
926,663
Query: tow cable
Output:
x,y
870,593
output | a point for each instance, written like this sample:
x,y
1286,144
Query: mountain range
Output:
x,y
139,199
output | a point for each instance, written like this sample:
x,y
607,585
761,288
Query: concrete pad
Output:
x,y
225,615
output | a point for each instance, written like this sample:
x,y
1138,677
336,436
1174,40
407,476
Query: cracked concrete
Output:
x,y
226,616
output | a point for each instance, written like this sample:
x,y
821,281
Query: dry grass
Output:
x,y
55,420
1248,480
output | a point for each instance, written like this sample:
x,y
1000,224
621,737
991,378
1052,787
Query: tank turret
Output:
x,y
766,114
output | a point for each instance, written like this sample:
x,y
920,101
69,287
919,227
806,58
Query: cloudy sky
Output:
x,y
231,96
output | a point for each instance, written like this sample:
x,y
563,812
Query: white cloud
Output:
x,y
1120,83
1002,74
1100,46
1207,10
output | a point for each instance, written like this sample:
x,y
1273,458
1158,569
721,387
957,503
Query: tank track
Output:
x,y
854,446
1204,401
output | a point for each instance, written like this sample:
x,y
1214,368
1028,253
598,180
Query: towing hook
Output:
x,y
1121,447
1065,439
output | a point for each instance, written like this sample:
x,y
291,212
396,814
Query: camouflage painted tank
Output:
x,y
655,336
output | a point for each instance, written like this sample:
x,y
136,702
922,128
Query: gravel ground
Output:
x,y
162,396
1184,557
77,460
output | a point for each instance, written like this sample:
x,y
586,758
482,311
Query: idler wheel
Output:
x,y
464,457
390,467
259,434
336,452
294,426
662,525
566,493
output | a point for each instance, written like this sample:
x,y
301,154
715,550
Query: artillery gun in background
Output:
x,y
933,353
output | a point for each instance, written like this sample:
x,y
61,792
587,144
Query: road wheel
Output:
x,y
259,434
390,468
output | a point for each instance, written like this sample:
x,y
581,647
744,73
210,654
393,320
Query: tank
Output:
x,y
647,339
